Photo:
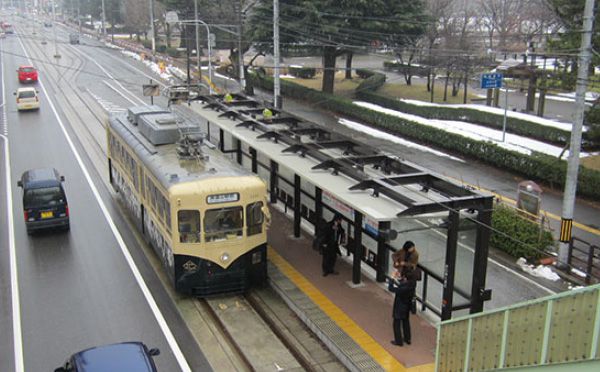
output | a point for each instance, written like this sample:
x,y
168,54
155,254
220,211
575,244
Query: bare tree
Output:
x,y
438,11
136,16
501,19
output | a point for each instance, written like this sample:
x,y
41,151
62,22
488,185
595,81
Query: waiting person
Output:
x,y
267,115
406,259
333,236
404,289
228,98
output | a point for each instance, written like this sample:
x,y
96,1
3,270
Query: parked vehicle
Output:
x,y
44,200
27,74
125,356
27,99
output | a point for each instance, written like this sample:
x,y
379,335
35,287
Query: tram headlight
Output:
x,y
225,257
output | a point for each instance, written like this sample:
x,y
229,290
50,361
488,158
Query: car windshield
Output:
x,y
27,94
43,196
27,69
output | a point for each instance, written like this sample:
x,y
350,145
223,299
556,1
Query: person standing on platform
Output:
x,y
406,259
228,98
267,115
333,236
404,289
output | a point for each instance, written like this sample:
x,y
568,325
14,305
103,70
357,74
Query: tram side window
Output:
x,y
223,223
188,224
255,218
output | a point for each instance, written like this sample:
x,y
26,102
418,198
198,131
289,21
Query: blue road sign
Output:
x,y
491,81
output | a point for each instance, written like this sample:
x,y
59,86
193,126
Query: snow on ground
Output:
x,y
392,138
539,271
498,111
513,142
154,66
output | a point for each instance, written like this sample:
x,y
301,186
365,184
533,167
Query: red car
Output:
x,y
27,74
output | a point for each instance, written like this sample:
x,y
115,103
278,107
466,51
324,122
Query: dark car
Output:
x,y
44,201
125,356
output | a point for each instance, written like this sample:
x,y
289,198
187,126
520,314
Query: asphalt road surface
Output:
x,y
62,292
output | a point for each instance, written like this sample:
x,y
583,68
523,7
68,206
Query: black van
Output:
x,y
44,200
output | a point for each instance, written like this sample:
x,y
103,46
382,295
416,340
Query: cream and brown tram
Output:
x,y
205,217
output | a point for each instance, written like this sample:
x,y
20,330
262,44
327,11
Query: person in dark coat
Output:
x,y
406,259
404,289
333,236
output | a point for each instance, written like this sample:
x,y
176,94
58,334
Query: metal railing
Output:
x,y
585,259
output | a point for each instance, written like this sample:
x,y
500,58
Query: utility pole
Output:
x,y
566,224
79,14
56,55
241,53
152,31
103,19
198,43
277,83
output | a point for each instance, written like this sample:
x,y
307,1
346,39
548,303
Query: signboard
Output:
x,y
491,81
151,90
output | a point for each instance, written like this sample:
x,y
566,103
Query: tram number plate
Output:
x,y
48,214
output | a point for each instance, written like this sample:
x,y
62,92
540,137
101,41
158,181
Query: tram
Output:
x,y
205,217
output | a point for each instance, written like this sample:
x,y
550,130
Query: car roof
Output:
x,y
125,356
40,177
25,89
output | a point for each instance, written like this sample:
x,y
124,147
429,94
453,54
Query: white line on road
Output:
x,y
121,93
136,273
14,275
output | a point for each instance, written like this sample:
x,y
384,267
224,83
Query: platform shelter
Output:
x,y
315,172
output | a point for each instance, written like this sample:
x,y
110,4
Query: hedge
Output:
x,y
372,80
538,166
512,230
513,125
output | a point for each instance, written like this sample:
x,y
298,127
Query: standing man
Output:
x,y
404,288
406,259
332,237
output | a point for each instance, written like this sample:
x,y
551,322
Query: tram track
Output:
x,y
258,334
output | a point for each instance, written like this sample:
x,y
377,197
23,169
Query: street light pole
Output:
x,y
56,55
197,42
209,49
103,19
276,82
152,31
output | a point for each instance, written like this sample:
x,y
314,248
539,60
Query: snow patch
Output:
x,y
540,271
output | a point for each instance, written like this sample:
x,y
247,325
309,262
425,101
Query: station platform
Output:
x,y
354,322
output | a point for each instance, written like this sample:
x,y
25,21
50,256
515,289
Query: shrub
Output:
x,y
372,80
147,44
302,72
161,48
512,230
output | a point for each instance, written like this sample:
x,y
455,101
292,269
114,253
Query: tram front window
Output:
x,y
188,225
224,223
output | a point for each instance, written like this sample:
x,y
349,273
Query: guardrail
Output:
x,y
563,328
585,259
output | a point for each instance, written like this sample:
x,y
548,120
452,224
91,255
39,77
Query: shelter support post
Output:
x,y
478,291
273,180
254,160
382,254
221,140
450,265
358,247
297,204
318,209
238,151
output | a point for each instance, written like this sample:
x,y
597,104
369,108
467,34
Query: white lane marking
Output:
x,y
14,275
110,76
122,94
183,364
107,105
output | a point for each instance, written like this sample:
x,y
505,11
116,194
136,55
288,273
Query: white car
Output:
x,y
27,99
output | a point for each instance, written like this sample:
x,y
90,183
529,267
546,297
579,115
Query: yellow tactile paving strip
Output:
x,y
366,342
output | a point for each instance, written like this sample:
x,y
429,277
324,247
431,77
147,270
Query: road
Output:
x,y
63,292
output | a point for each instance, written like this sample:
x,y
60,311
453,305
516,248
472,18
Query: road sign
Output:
x,y
151,90
491,81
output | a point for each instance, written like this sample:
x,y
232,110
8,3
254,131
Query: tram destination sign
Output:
x,y
223,198
491,81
